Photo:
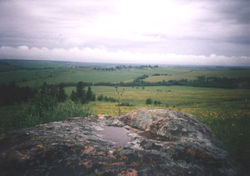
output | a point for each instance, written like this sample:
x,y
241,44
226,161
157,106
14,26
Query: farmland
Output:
x,y
35,73
225,109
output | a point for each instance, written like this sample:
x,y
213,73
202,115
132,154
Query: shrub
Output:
x,y
100,97
149,101
157,102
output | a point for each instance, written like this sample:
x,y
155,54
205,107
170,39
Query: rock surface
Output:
x,y
143,142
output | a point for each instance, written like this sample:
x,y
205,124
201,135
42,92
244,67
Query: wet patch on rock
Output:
x,y
117,135
144,142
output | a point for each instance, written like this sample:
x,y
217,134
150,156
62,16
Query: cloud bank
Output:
x,y
207,32
101,55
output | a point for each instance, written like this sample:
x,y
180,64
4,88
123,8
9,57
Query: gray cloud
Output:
x,y
105,55
155,27
238,11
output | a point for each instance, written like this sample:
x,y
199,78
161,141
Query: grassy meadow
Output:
x,y
225,111
192,73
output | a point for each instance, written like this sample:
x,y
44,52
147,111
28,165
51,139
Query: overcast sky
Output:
x,y
190,32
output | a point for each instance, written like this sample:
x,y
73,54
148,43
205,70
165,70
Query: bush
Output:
x,y
100,98
149,101
125,104
157,102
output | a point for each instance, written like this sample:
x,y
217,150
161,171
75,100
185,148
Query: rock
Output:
x,y
143,142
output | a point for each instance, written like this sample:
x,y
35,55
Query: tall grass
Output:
x,y
234,133
26,115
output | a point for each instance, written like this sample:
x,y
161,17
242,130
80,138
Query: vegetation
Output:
x,y
149,101
34,73
80,95
11,94
105,98
218,96
49,103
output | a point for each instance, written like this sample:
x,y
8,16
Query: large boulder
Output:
x,y
143,142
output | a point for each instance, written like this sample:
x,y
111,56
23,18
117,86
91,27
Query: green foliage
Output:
x,y
100,97
56,92
234,132
80,95
11,94
139,80
125,104
43,103
71,109
106,98
46,106
90,96
149,101
157,102
27,115
61,94
73,96
93,98
80,92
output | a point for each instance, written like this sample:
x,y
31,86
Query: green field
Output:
x,y
225,111
34,73
182,98
191,74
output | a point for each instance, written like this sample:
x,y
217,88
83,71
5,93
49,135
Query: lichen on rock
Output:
x,y
158,142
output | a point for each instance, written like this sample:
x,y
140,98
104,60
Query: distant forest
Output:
x,y
200,81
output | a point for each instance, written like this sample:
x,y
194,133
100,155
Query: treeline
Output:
x,y
140,79
46,94
11,93
80,95
105,98
201,81
47,98
45,104
120,67
159,74
223,82
111,99
5,66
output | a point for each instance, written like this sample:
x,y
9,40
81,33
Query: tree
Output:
x,y
61,94
100,97
44,102
53,91
93,97
106,98
80,89
149,101
80,92
89,94
44,88
157,102
73,96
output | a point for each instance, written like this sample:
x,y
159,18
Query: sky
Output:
x,y
176,32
